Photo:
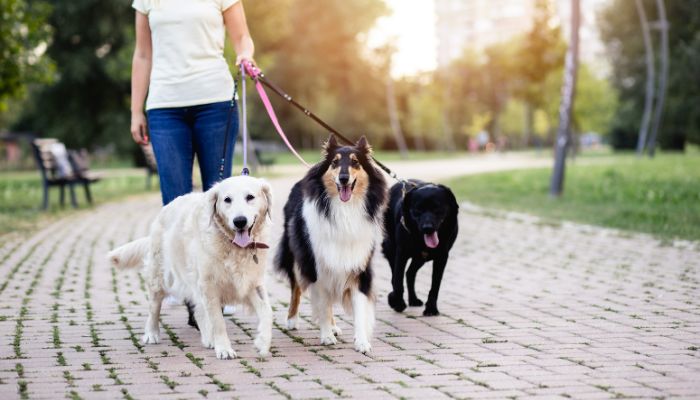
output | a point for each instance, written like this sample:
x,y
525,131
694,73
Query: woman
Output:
x,y
179,61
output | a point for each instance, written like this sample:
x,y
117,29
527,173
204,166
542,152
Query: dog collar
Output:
x,y
253,245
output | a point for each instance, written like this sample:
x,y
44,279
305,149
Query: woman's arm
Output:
x,y
140,78
237,28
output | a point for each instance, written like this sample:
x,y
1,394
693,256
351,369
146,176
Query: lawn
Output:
x,y
21,193
660,196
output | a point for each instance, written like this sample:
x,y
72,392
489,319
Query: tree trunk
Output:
x,y
394,118
663,25
649,96
568,94
529,124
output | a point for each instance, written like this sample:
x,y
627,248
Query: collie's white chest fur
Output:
x,y
344,241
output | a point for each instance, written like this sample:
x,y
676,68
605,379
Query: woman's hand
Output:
x,y
242,57
139,128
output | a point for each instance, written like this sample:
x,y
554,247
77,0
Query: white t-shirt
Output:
x,y
188,52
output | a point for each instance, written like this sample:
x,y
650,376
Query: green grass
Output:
x,y
660,196
21,195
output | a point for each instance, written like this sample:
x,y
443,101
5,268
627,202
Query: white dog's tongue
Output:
x,y
242,238
345,193
431,240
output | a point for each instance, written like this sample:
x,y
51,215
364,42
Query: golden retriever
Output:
x,y
208,248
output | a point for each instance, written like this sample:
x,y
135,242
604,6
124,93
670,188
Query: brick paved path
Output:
x,y
529,310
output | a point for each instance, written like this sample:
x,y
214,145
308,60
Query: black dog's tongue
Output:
x,y
431,240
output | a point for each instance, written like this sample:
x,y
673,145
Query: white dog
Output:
x,y
208,248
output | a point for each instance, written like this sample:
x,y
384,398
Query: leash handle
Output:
x,y
250,69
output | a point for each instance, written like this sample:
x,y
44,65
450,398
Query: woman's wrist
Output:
x,y
244,57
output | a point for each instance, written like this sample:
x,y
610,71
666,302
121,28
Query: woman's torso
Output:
x,y
188,52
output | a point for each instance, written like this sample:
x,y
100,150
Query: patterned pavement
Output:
x,y
530,309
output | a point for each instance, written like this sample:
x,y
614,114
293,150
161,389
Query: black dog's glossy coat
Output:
x,y
424,208
295,244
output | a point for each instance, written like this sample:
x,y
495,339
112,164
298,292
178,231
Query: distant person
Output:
x,y
179,61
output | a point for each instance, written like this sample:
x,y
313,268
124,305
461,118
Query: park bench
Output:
x,y
262,160
62,168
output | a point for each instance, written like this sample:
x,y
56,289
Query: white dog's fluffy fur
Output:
x,y
190,254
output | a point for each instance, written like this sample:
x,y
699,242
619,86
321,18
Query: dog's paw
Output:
x,y
415,302
225,353
363,346
209,344
328,339
430,311
151,338
292,323
262,344
336,331
396,302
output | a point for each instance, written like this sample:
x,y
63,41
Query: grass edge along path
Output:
x,y
659,196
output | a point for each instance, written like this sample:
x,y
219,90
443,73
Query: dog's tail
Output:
x,y
130,255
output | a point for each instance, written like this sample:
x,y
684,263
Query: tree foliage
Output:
x,y
88,102
621,30
318,55
314,53
23,39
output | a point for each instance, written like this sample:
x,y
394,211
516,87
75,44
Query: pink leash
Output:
x,y
253,73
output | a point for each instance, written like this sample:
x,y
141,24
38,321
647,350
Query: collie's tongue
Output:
x,y
242,238
345,192
431,240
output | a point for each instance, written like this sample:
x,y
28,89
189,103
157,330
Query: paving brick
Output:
x,y
528,311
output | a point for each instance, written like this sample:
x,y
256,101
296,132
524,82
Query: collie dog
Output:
x,y
333,221
208,248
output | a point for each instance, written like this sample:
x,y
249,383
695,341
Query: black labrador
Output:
x,y
420,225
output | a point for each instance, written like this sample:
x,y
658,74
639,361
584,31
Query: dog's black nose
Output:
x,y
427,229
240,222
344,179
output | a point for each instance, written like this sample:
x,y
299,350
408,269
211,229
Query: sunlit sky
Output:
x,y
411,25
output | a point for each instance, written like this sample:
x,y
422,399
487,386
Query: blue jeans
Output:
x,y
179,133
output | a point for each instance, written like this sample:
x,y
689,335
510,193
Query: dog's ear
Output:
x,y
406,201
267,194
330,146
451,199
212,196
363,145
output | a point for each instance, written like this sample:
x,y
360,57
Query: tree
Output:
x,y
314,53
88,102
321,63
620,29
23,40
541,54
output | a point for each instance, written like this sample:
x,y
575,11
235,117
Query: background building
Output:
x,y
477,24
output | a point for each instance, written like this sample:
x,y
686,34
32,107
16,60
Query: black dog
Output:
x,y
421,225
